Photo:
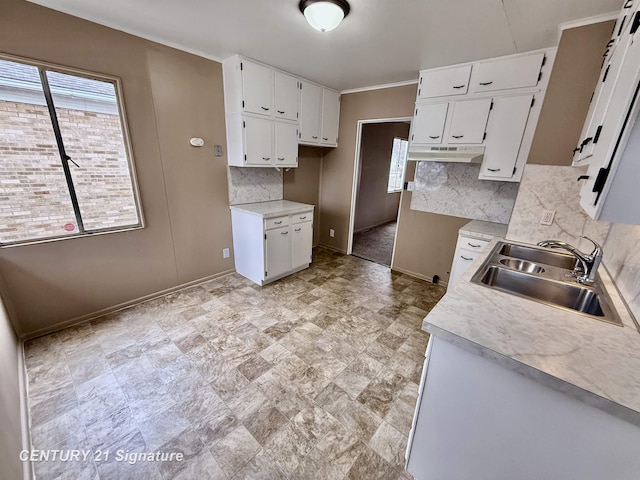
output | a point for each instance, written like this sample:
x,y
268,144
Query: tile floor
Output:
x,y
312,377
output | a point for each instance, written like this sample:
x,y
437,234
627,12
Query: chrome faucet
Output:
x,y
587,265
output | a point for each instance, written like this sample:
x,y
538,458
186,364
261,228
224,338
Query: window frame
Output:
x,y
404,168
43,67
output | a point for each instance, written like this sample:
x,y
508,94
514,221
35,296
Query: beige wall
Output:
x,y
425,242
10,418
170,96
338,163
573,79
374,206
302,184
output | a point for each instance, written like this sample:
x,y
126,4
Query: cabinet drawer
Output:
x,y
516,72
471,244
276,222
302,217
444,82
466,257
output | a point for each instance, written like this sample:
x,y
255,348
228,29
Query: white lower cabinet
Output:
x,y
270,245
476,419
467,250
301,240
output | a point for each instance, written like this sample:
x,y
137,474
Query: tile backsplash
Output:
x,y
249,185
545,187
622,259
454,189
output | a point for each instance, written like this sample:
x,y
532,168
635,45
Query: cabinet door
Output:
x,y
258,141
330,117
428,123
444,82
509,73
469,120
257,88
277,251
310,112
301,244
286,144
505,130
287,99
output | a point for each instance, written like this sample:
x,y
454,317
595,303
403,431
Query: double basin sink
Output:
x,y
544,276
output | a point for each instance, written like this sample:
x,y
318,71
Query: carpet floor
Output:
x,y
375,244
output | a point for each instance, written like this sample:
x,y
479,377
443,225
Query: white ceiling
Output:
x,y
381,41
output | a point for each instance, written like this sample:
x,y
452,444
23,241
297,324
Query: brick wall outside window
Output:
x,y
34,199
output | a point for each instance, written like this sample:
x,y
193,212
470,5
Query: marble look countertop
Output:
x,y
484,230
595,362
274,208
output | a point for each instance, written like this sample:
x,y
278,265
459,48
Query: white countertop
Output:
x,y
591,360
484,230
274,208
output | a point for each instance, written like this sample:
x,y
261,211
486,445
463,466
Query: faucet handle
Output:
x,y
597,248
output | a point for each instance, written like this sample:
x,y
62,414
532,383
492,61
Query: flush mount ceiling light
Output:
x,y
324,15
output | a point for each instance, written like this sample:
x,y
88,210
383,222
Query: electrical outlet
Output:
x,y
547,217
332,232
225,253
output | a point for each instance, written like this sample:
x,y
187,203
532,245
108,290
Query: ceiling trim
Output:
x,y
587,21
380,87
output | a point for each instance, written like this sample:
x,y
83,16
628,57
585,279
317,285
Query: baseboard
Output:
x,y
121,306
418,275
330,247
25,419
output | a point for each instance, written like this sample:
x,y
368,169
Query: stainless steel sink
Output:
x,y
545,277
538,255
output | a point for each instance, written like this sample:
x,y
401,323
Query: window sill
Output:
x,y
23,243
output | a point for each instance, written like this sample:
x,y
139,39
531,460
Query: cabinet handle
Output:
x,y
265,109
465,258
325,139
457,136
266,159
494,169
459,86
431,136
297,229
315,138
484,84
280,112
281,159
278,222
284,233
303,218
474,246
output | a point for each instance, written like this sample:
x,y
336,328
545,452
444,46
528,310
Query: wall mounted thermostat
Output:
x,y
196,142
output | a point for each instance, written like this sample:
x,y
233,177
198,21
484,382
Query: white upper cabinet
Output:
x,y
428,123
610,186
310,113
285,144
443,82
508,73
489,108
505,132
468,121
258,142
287,96
255,91
330,117
257,88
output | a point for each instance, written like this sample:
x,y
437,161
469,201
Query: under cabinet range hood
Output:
x,y
446,154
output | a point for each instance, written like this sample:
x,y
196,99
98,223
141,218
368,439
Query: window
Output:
x,y
65,163
398,164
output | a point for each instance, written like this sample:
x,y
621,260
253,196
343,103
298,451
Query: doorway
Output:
x,y
378,181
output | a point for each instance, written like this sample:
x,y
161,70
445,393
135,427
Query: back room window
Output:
x,y
398,164
66,167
